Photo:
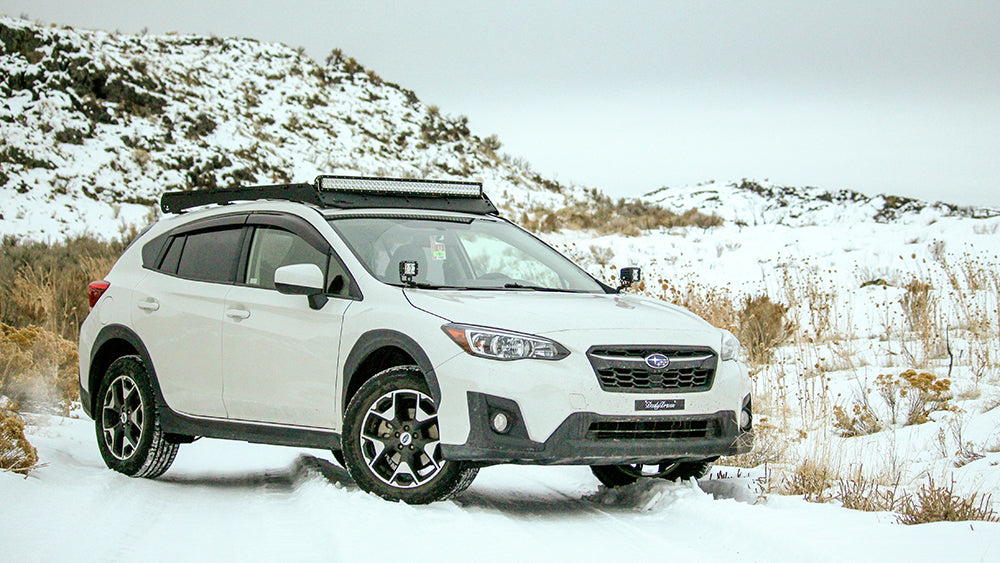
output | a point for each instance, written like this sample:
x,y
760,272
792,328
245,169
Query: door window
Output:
x,y
273,248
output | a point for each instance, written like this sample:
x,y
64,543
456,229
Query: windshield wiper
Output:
x,y
515,285
424,285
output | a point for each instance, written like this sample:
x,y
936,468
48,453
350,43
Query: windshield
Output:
x,y
460,253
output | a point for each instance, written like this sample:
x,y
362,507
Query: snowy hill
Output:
x,y
96,125
756,203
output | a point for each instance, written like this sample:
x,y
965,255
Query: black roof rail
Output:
x,y
348,192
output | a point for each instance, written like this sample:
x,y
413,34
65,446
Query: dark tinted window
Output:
x,y
211,255
173,256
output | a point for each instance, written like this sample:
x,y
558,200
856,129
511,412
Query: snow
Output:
x,y
237,501
809,249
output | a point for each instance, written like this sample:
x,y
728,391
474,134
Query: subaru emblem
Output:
x,y
657,361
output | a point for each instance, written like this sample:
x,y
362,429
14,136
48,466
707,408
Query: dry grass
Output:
x,y
811,479
862,493
48,286
936,503
769,447
604,215
763,327
16,453
38,366
907,399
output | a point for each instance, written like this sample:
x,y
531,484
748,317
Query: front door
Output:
x,y
279,355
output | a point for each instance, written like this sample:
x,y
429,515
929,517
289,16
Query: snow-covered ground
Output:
x,y
233,501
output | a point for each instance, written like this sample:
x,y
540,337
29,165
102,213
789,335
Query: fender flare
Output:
x,y
381,338
105,335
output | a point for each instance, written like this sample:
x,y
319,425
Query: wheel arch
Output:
x,y
378,350
113,342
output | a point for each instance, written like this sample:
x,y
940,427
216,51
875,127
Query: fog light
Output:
x,y
745,420
501,423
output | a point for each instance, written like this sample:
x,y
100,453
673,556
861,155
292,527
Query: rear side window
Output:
x,y
173,256
211,256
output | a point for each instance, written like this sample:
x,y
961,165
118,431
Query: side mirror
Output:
x,y
629,276
302,279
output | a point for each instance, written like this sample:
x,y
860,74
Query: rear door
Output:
x,y
177,311
279,355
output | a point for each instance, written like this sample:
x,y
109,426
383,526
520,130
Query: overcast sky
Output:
x,y
879,97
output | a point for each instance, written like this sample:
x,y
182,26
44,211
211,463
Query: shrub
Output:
x,y
862,493
713,304
909,398
38,366
16,453
918,307
811,480
200,126
48,282
913,395
600,213
933,503
861,422
769,446
763,327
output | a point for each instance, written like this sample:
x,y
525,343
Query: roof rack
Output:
x,y
348,192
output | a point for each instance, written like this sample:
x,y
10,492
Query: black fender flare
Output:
x,y
97,364
381,338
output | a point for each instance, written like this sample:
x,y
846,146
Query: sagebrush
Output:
x,y
16,452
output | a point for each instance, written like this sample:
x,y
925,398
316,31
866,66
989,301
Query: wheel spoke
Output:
x,y
400,412
122,418
404,469
379,449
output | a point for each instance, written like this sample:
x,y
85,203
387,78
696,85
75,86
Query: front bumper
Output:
x,y
593,439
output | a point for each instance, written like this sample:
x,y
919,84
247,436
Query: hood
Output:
x,y
545,313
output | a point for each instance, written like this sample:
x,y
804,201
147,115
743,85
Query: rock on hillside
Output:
x,y
96,125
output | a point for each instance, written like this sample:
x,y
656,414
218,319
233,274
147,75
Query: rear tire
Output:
x,y
128,430
391,441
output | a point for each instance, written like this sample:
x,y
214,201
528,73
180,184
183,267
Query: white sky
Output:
x,y
880,97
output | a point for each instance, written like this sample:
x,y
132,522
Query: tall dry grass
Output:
x,y
48,281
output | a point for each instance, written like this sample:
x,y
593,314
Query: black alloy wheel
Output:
x,y
128,433
392,444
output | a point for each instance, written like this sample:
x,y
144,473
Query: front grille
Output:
x,y
624,368
675,429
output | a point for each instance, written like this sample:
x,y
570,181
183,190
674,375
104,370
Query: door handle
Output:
x,y
237,314
148,305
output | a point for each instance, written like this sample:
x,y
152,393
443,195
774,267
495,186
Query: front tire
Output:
x,y
128,431
391,441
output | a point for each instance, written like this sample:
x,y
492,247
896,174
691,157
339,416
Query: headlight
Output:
x,y
730,346
503,345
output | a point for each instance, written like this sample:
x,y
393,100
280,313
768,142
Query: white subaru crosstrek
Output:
x,y
405,326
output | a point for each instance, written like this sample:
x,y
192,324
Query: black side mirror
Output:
x,y
629,276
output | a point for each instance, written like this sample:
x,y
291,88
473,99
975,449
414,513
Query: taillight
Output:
x,y
95,290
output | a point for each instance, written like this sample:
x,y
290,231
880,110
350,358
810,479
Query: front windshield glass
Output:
x,y
460,253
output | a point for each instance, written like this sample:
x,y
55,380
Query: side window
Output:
x,y
338,280
173,255
273,248
211,255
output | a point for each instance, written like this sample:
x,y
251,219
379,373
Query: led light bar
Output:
x,y
400,186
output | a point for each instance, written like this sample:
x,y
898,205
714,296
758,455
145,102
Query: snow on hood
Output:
x,y
546,313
